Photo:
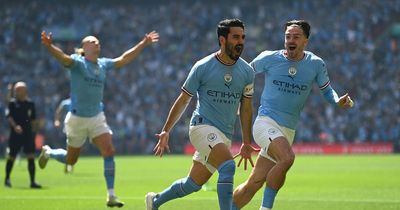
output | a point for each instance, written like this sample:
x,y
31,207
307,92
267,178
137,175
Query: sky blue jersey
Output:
x,y
219,88
87,85
288,84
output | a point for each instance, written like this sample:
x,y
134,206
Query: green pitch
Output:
x,y
313,183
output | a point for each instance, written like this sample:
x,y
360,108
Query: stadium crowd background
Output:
x,y
358,40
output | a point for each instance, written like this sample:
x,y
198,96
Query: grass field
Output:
x,y
313,183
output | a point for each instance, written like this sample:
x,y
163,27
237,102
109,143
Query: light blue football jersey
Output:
x,y
288,84
87,85
219,88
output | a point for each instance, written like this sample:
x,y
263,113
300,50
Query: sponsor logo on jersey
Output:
x,y
290,87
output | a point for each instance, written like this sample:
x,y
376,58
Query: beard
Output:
x,y
233,52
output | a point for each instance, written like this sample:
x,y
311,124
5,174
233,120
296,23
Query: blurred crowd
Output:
x,y
356,39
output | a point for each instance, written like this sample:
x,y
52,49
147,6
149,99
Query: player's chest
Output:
x,y
224,80
94,70
295,72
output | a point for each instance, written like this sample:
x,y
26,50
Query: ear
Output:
x,y
221,40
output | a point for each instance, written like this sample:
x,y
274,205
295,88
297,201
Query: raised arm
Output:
x,y
132,53
63,58
174,115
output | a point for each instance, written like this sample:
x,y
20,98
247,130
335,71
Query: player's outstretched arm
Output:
x,y
132,53
174,115
63,58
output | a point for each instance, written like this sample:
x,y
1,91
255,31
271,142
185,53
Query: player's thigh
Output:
x,y
76,130
219,154
280,149
104,143
266,131
199,173
208,139
98,126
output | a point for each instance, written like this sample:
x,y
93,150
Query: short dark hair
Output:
x,y
225,25
302,23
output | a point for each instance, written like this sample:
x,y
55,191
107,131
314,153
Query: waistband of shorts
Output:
x,y
198,120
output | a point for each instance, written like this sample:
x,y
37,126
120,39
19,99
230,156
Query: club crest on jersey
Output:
x,y
211,137
228,77
292,71
96,71
272,131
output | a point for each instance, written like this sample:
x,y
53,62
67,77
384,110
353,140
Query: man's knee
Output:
x,y
227,171
107,151
287,159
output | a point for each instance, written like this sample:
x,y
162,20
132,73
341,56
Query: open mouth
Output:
x,y
239,48
291,47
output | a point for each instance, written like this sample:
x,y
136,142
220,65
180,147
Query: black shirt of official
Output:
x,y
23,113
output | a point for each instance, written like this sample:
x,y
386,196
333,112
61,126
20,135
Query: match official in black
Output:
x,y
21,116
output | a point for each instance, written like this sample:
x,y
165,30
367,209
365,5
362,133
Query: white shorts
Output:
x,y
78,129
265,130
204,138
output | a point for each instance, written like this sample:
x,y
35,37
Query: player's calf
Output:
x,y
225,184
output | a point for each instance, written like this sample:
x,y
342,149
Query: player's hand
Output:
x,y
151,38
47,39
345,101
18,129
245,154
162,144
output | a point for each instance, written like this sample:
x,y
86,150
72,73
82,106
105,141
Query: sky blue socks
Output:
x,y
225,184
179,188
269,197
109,171
58,154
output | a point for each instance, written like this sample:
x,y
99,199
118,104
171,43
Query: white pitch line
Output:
x,y
197,199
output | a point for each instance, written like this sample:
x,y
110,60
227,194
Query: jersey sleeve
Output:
x,y
108,63
249,88
192,82
322,78
323,82
258,64
76,58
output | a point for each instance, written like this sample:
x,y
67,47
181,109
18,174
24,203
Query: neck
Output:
x,y
224,57
91,58
298,57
